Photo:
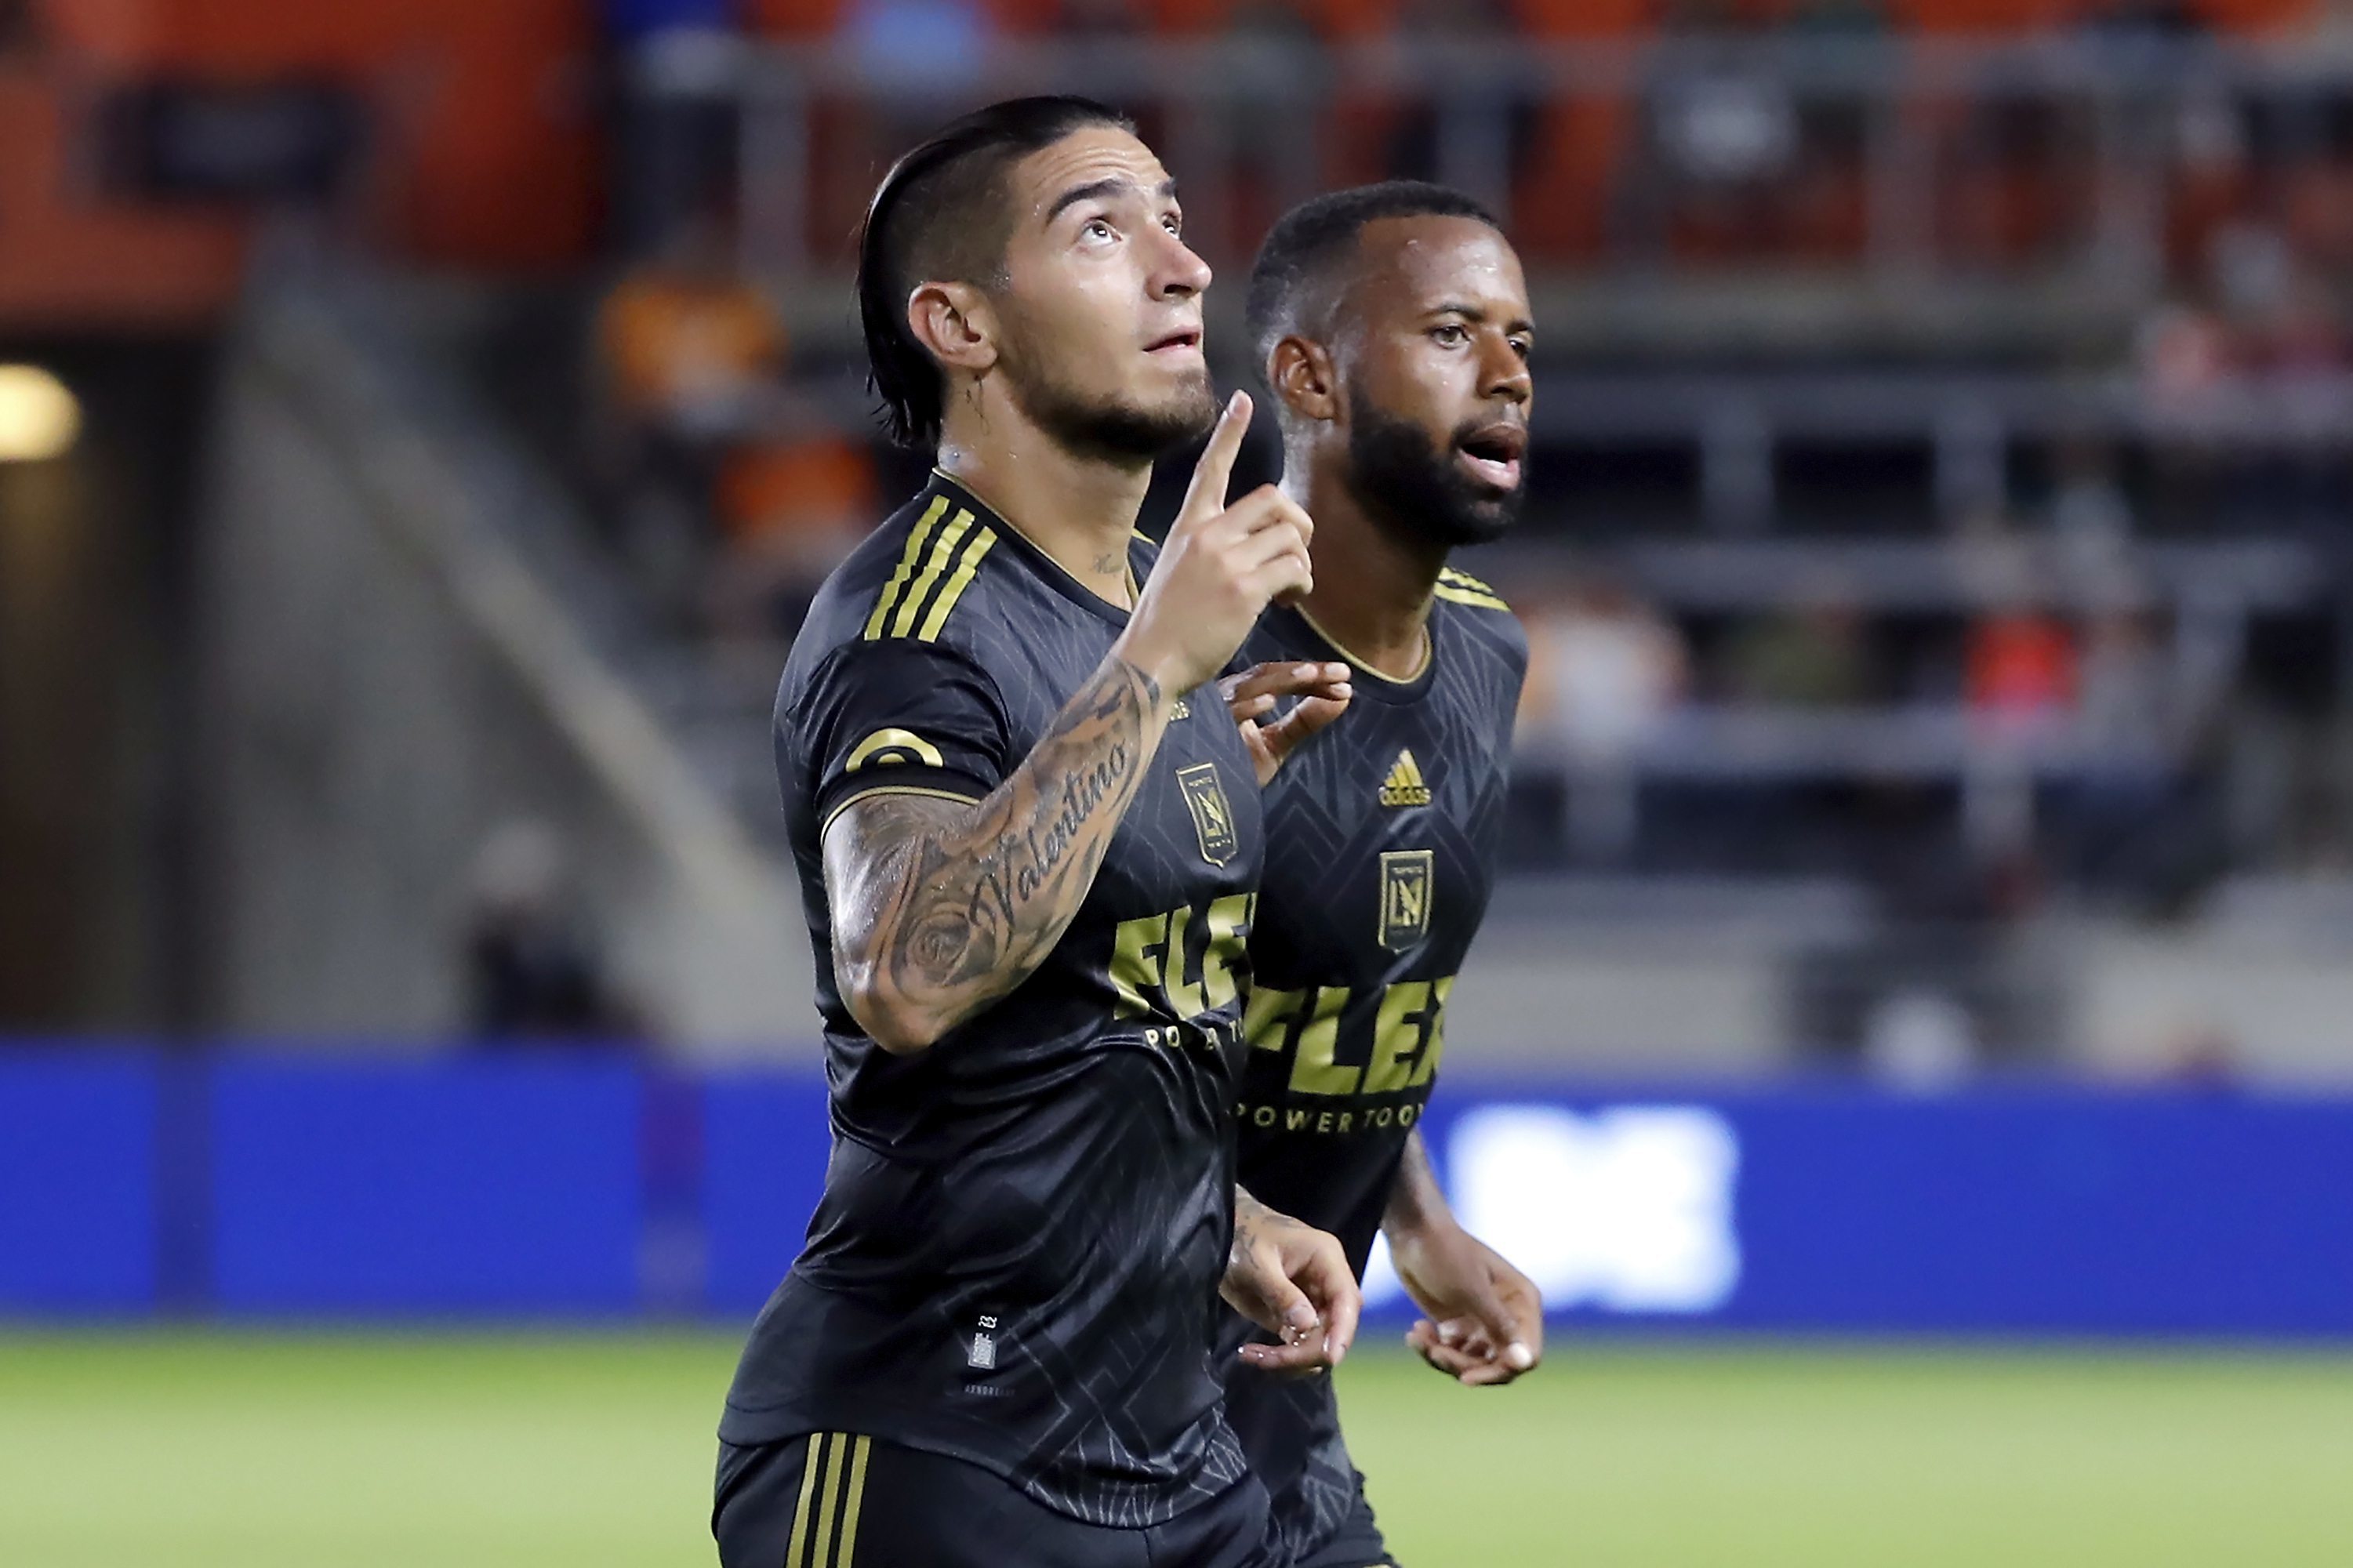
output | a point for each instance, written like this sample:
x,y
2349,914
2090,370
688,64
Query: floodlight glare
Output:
x,y
39,416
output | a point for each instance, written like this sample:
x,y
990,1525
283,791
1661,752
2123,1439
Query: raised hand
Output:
x,y
1221,567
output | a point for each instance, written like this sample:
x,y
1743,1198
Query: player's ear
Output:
x,y
1300,371
954,324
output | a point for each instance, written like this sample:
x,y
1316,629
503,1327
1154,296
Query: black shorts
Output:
x,y
1358,1544
867,1503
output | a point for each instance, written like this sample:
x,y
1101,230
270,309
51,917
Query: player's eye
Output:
x,y
1522,347
1097,228
1173,223
1450,334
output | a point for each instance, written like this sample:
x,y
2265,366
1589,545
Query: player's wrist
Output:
x,y
1160,674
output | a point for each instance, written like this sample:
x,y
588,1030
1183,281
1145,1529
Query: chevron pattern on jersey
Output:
x,y
1322,1115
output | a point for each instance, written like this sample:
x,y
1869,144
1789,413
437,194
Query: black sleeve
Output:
x,y
899,716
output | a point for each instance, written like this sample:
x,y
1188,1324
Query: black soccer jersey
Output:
x,y
1017,1257
1381,841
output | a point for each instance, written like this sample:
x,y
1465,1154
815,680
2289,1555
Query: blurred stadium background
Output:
x,y
1913,1047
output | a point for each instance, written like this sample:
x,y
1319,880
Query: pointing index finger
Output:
x,y
1205,496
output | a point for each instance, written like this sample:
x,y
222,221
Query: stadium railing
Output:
x,y
2032,165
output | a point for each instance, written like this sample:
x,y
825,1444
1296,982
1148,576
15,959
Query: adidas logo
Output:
x,y
1404,785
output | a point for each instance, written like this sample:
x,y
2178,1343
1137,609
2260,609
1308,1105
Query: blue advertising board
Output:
x,y
766,1141
485,1185
78,1180
1846,1210
523,1185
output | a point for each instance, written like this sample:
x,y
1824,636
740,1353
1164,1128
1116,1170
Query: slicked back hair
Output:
x,y
1310,247
941,216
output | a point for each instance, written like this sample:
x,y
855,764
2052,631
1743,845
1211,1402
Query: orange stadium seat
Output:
x,y
1560,211
496,165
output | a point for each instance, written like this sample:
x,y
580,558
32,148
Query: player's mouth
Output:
x,y
1182,343
1491,455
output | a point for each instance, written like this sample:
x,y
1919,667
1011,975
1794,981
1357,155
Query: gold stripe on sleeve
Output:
x,y
943,548
981,543
1467,596
916,540
845,1556
812,1462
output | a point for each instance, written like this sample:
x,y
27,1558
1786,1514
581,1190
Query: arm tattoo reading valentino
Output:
x,y
940,908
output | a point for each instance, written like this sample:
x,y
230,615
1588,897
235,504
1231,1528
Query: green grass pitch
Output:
x,y
346,1451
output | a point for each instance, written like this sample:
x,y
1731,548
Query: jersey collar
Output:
x,y
1298,630
1044,567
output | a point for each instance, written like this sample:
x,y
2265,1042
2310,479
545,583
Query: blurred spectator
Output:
x,y
919,49
1269,125
2090,516
923,59
2020,665
2017,659
530,971
2124,716
1811,654
791,505
2301,334
1918,1040
689,346
690,354
2133,826
1499,134
674,62
1724,134
2185,353
1604,670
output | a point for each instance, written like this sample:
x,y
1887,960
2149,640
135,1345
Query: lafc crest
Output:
x,y
1213,818
1408,878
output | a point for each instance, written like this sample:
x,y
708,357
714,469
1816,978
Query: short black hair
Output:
x,y
1309,244
940,212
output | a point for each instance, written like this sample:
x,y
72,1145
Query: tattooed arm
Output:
x,y
940,908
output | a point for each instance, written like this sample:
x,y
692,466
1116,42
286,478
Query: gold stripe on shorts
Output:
x,y
853,1495
812,1463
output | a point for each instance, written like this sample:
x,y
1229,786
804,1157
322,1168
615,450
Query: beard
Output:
x,y
1110,430
1415,491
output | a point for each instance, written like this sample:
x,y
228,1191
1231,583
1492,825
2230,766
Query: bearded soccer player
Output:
x,y
1029,840
1392,326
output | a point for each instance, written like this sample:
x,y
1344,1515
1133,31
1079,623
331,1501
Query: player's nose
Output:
x,y
1177,272
1503,375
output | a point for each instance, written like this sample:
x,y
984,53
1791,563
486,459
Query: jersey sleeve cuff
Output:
x,y
935,784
